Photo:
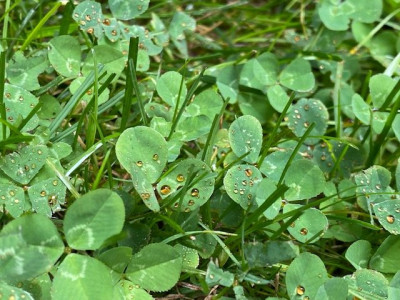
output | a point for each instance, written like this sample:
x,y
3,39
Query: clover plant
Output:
x,y
200,150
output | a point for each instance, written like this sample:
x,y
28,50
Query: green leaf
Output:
x,y
156,267
245,134
22,166
256,106
30,245
128,9
388,213
261,255
168,86
65,55
180,23
365,11
277,97
144,148
305,275
89,16
24,72
128,290
117,258
176,178
298,76
265,188
46,196
216,276
380,86
82,277
359,253
241,184
304,179
332,289
112,59
386,257
368,284
228,82
372,184
304,113
333,14
19,103
309,226
94,218
361,109
206,103
13,198
12,292
190,257
260,72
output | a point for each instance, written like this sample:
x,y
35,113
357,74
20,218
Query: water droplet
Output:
x,y
114,32
88,18
3,197
180,178
292,225
248,172
323,145
195,192
323,157
26,168
296,111
155,156
249,196
397,210
21,98
390,219
139,163
165,189
145,196
187,209
241,191
191,202
106,22
306,107
378,186
303,231
176,204
33,166
12,193
39,152
306,298
16,201
139,7
83,23
43,193
244,182
235,191
90,31
306,124
8,95
55,182
300,290
298,116
52,200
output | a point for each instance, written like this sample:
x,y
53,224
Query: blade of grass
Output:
x,y
381,140
86,85
272,136
137,92
292,156
30,115
42,21
184,104
336,99
2,80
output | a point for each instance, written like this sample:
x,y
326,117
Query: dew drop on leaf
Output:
x,y
300,290
180,178
145,196
155,156
195,192
390,219
165,189
139,163
43,193
248,172
303,231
